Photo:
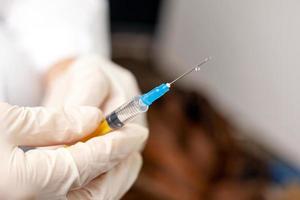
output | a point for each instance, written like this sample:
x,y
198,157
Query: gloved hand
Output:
x,y
74,171
79,84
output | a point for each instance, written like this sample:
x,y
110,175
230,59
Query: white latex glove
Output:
x,y
51,174
84,83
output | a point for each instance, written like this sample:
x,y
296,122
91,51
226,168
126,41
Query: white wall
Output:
x,y
255,74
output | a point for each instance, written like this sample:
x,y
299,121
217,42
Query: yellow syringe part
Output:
x,y
102,129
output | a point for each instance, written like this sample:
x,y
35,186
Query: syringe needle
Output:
x,y
197,68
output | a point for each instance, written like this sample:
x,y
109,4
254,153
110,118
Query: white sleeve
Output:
x,y
52,30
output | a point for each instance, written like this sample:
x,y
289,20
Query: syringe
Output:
x,y
139,104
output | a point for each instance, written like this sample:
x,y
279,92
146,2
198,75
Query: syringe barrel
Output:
x,y
126,112
119,117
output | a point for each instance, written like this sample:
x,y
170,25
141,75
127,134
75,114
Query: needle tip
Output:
x,y
204,61
196,69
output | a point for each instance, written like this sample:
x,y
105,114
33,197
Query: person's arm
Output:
x,y
51,31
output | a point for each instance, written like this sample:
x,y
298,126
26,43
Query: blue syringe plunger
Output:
x,y
154,94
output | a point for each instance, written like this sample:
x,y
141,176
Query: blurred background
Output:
x,y
230,131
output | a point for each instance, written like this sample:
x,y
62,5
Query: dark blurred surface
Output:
x,y
134,15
